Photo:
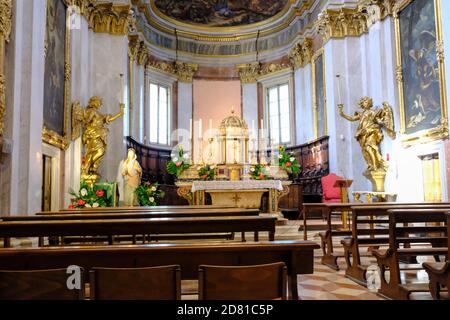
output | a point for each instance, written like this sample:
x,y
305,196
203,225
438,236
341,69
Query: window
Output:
x,y
279,117
159,114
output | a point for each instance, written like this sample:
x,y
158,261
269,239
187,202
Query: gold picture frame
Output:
x,y
49,136
440,131
319,54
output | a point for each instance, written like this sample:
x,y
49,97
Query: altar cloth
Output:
x,y
237,185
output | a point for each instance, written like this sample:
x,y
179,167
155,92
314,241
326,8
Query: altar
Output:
x,y
241,194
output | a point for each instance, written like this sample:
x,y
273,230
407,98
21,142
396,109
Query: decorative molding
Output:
x,y
5,18
54,139
249,72
301,54
2,103
252,72
185,71
5,32
109,17
341,23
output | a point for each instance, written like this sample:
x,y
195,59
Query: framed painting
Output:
x,y
420,71
57,75
319,95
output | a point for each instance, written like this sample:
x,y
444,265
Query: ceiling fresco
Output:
x,y
221,13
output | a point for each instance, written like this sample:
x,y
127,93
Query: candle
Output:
x,y
190,129
200,129
121,88
232,109
210,128
339,89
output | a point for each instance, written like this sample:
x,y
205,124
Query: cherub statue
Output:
x,y
129,178
369,133
95,133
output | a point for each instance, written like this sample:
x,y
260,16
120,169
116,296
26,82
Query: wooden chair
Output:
x,y
155,283
261,282
38,285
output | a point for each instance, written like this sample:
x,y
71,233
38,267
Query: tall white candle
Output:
x,y
190,129
200,129
122,88
339,89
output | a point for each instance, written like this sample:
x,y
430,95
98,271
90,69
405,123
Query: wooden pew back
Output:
x,y
297,255
412,231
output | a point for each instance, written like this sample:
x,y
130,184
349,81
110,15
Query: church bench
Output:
x,y
199,208
370,228
158,226
298,257
439,272
329,257
431,230
136,215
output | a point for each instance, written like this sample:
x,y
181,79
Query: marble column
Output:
x,y
24,118
109,59
303,105
80,91
185,105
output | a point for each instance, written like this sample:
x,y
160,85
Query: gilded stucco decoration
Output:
x,y
249,72
109,18
341,23
300,55
185,72
5,31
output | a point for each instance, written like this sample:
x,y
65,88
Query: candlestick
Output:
x,y
339,88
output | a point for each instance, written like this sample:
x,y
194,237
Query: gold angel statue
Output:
x,y
369,133
95,134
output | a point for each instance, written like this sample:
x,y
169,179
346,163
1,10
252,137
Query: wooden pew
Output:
x,y
329,257
128,214
439,273
297,255
157,226
137,209
370,228
137,215
404,240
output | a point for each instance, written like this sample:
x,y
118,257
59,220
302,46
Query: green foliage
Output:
x,y
260,172
148,194
178,164
87,197
207,172
287,161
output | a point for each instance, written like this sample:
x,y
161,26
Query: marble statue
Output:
x,y
129,179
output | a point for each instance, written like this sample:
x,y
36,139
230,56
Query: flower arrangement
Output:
x,y
148,194
178,164
207,172
259,172
88,197
287,161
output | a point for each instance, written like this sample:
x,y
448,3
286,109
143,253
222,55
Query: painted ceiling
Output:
x,y
221,13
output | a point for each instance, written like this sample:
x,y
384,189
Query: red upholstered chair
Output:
x,y
330,193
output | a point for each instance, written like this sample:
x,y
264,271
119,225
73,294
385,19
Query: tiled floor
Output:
x,y
324,284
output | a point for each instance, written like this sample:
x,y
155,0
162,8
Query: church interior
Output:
x,y
224,150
